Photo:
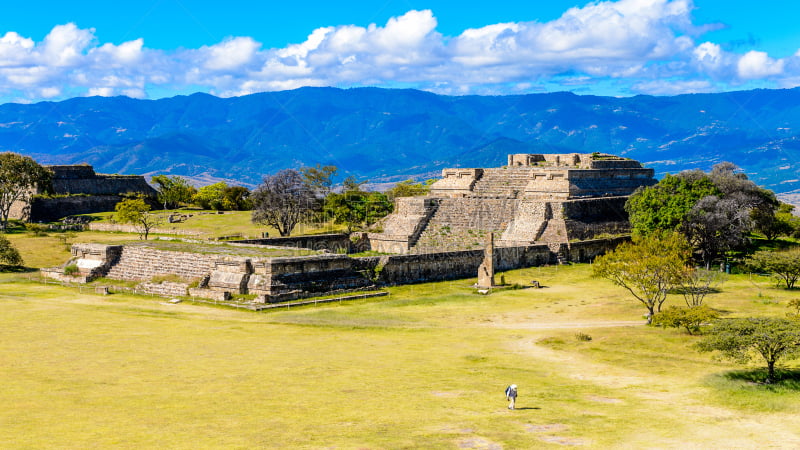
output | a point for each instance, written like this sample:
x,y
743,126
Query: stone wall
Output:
x,y
420,268
163,289
52,209
82,179
86,193
587,251
144,263
278,279
289,278
336,243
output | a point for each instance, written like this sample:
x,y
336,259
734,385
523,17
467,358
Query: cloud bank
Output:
x,y
626,46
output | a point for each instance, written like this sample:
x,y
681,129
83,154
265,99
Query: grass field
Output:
x,y
422,368
208,224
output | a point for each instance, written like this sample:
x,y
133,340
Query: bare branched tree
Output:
x,y
282,201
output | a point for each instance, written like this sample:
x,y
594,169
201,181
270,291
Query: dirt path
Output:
x,y
565,325
680,401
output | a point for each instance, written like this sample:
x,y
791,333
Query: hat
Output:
x,y
513,386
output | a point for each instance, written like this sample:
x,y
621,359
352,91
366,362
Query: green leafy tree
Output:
x,y
136,212
211,196
784,264
781,223
282,201
236,198
648,267
688,318
409,188
9,256
174,190
665,205
743,340
20,177
319,178
355,207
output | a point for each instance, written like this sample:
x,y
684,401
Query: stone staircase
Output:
x,y
462,223
507,182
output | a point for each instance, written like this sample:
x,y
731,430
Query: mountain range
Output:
x,y
386,135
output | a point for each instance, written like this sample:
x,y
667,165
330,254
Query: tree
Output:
x,y
9,256
687,318
319,178
715,226
665,205
648,267
784,264
409,188
721,223
695,284
282,201
355,207
20,177
781,223
236,198
136,212
174,190
211,196
742,340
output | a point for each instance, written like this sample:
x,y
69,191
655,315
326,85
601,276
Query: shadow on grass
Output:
x,y
17,269
785,379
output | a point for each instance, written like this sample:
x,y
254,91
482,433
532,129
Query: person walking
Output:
x,y
511,395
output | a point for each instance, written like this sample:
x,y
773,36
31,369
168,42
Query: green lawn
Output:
x,y
210,224
422,368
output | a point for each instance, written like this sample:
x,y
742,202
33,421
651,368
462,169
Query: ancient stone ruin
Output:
x,y
539,209
77,189
550,199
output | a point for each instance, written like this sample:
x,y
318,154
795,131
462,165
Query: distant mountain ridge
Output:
x,y
391,134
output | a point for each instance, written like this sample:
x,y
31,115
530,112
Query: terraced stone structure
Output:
x,y
79,190
534,199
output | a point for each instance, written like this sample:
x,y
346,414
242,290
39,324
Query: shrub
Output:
x,y
9,256
71,270
37,229
583,337
688,318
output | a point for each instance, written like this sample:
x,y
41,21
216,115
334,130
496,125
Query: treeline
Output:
x,y
717,212
291,196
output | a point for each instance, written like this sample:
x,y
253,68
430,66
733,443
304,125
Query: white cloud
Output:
x,y
633,46
230,54
756,64
65,44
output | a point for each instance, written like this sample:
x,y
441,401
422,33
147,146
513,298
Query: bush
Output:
x,y
9,256
688,318
583,337
37,229
71,270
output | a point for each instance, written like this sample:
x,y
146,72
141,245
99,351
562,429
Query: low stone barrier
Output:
x,y
163,289
124,228
221,296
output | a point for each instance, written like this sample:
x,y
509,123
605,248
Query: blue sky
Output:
x,y
157,48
